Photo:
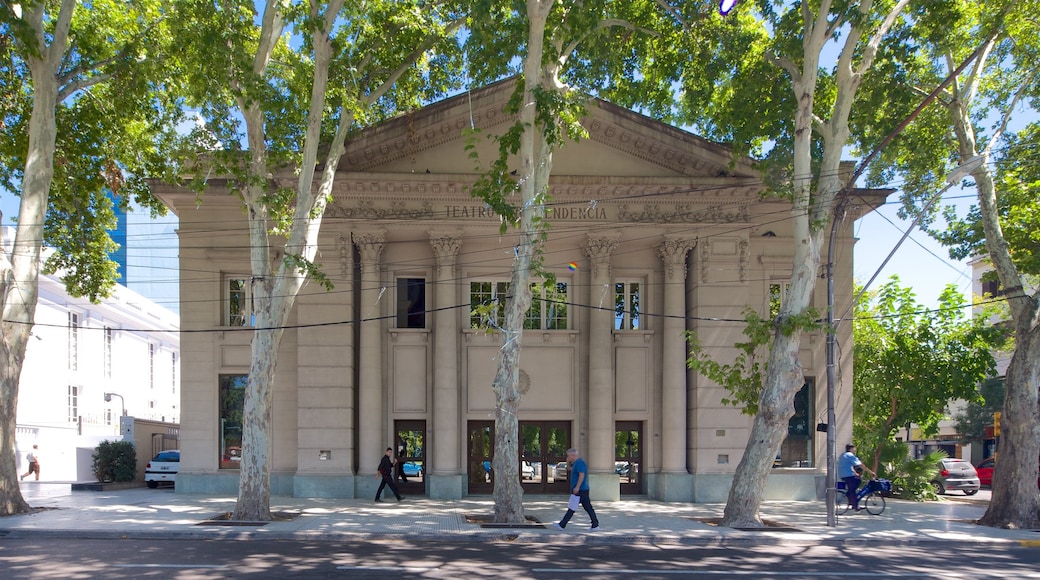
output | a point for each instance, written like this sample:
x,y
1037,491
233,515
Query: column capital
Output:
x,y
369,244
598,249
673,253
446,246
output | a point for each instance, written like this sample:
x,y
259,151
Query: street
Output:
x,y
57,557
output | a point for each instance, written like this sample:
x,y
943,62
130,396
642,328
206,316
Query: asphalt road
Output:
x,y
45,557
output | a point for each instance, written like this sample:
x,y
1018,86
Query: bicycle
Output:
x,y
868,497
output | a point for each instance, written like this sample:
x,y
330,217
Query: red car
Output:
x,y
985,469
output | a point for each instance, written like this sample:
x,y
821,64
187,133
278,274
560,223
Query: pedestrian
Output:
x,y
849,470
386,471
579,480
400,464
33,457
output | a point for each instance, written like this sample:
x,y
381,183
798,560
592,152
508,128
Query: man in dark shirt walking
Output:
x,y
386,471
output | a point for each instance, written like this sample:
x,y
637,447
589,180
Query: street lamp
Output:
x,y
122,402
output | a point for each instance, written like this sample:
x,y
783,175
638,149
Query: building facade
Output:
x,y
654,232
86,366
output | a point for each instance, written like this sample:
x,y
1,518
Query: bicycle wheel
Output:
x,y
841,502
874,503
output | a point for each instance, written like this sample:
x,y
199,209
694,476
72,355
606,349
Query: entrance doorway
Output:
x,y
410,447
543,447
628,443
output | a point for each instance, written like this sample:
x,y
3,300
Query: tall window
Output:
x,y
151,366
548,309
239,302
108,352
73,348
73,403
173,372
232,403
487,293
626,306
548,306
797,449
411,303
777,295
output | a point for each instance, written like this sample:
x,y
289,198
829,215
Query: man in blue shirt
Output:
x,y
849,470
579,473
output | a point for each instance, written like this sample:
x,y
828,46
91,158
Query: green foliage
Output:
x,y
114,461
116,117
972,420
743,377
911,478
911,362
1018,207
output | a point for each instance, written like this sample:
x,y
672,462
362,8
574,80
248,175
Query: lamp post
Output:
x,y
122,402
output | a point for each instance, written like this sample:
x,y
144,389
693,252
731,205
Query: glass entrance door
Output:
x,y
543,456
480,446
410,447
628,443
543,448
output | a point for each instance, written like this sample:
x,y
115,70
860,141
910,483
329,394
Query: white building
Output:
x,y
125,349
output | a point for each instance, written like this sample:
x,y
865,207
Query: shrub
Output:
x,y
115,461
911,478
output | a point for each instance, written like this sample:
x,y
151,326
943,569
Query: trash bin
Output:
x,y
821,487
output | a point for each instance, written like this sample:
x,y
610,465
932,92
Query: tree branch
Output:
x,y
1006,117
81,84
408,62
607,23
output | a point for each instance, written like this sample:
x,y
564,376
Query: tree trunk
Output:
x,y
1015,502
535,166
21,275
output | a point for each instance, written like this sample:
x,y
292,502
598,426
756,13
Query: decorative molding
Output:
x,y
598,250
656,151
370,246
446,248
745,255
367,209
705,254
684,213
673,253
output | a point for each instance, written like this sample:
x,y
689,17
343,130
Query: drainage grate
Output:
x,y
224,519
485,521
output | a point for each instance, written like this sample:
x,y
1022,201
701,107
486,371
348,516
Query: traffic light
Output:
x,y
996,424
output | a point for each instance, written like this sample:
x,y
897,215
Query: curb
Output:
x,y
506,537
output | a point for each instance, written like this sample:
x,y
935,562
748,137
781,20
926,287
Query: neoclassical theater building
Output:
x,y
654,232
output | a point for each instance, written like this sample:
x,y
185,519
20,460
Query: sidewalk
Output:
x,y
162,513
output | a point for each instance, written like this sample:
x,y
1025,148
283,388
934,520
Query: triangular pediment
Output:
x,y
621,143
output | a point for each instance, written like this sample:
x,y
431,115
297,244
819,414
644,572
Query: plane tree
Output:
x,y
969,133
764,83
279,92
561,53
88,111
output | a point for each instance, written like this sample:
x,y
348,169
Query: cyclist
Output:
x,y
849,470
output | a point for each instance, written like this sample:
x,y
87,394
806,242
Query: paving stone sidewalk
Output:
x,y
163,513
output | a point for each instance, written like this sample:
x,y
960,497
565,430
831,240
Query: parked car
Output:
x,y
162,468
985,471
956,474
561,470
526,470
411,469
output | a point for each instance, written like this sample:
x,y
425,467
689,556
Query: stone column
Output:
x,y
446,478
371,443
602,478
674,484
